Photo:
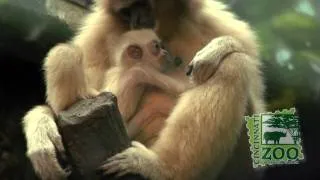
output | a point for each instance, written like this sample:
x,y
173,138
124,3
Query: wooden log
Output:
x,y
92,131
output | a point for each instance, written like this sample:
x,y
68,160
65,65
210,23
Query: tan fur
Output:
x,y
202,128
131,77
42,132
193,146
65,78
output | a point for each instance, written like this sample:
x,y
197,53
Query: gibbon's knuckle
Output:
x,y
55,142
195,64
59,145
129,151
189,70
198,55
86,95
133,143
122,173
201,56
196,76
111,164
111,170
122,155
93,93
203,71
197,68
113,158
194,80
137,144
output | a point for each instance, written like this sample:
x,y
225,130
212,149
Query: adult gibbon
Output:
x,y
203,126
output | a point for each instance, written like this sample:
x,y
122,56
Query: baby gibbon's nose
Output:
x,y
164,53
167,56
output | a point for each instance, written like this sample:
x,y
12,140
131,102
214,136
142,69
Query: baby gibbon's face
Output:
x,y
150,54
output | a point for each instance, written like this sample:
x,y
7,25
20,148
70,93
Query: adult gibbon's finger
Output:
x,y
60,152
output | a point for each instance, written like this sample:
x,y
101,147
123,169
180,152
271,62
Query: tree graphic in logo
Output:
x,y
286,121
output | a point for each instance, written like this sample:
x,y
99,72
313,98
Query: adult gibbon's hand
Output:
x,y
207,60
46,149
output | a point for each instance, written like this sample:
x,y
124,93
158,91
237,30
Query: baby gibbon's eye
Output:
x,y
135,52
156,47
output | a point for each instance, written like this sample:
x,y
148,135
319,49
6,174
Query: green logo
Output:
x,y
275,138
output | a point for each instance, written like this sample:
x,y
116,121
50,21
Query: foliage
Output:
x,y
288,31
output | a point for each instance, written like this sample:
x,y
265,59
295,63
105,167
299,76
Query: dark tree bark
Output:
x,y
92,131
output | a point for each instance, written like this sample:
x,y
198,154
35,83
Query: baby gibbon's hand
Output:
x,y
207,60
135,160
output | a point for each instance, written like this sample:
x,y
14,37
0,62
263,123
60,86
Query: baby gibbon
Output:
x,y
140,65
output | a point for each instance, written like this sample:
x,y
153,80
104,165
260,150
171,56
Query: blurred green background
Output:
x,y
289,35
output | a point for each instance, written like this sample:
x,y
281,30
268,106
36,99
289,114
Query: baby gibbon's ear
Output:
x,y
134,51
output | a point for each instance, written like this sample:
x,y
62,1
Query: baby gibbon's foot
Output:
x,y
136,160
207,60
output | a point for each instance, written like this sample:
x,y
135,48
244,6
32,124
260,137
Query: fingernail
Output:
x,y
189,70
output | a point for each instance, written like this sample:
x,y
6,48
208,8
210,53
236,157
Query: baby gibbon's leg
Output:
x,y
65,77
43,141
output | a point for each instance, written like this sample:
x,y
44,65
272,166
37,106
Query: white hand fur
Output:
x,y
207,60
134,160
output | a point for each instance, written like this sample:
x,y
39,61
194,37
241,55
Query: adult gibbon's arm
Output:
x,y
65,78
94,38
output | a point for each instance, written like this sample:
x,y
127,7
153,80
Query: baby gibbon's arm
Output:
x,y
129,85
148,75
